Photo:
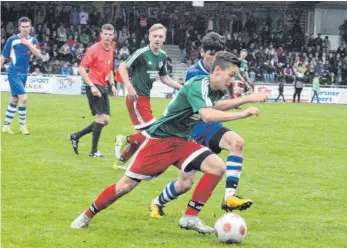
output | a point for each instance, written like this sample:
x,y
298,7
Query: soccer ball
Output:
x,y
230,228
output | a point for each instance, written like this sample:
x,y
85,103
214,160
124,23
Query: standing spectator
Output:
x,y
326,44
343,31
298,85
65,70
183,53
315,87
74,16
319,40
10,29
84,17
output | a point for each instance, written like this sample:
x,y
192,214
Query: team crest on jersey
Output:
x,y
161,64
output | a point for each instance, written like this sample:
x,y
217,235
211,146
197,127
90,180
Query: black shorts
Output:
x,y
215,140
98,105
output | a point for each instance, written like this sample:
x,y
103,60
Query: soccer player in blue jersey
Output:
x,y
19,48
216,137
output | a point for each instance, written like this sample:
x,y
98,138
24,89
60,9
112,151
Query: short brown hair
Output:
x,y
23,19
108,27
156,27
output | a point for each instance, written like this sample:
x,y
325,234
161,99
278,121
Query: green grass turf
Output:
x,y
295,172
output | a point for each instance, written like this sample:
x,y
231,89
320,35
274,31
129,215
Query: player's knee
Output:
x,y
234,143
238,144
14,100
187,184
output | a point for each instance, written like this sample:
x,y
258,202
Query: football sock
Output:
x,y
10,113
129,150
85,131
97,128
233,173
22,112
202,193
106,198
168,194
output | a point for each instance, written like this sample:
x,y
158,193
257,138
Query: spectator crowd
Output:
x,y
65,33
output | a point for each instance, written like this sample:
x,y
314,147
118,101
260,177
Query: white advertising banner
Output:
x,y
160,90
70,85
34,84
326,95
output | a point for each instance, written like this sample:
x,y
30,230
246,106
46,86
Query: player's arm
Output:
x,y
5,52
123,72
170,82
214,115
224,105
110,78
32,47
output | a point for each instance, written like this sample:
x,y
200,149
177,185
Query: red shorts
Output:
x,y
156,155
140,112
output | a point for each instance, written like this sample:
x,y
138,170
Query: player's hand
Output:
x,y
251,111
259,97
25,42
131,93
95,91
114,90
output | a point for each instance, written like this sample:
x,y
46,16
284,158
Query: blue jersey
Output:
x,y
19,54
197,69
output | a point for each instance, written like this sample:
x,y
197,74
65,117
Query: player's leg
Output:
x,y
233,143
141,115
178,187
10,113
106,198
22,113
213,168
147,163
102,119
171,192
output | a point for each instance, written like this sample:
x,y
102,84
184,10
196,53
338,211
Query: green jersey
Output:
x,y
145,68
181,115
243,69
315,84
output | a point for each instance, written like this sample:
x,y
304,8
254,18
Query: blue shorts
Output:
x,y
209,134
17,84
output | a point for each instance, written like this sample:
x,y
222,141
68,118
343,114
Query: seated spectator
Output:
x,y
132,46
124,52
56,68
65,53
44,56
75,69
48,67
341,50
84,39
37,72
79,53
325,78
288,74
123,36
194,54
70,41
143,43
65,70
326,44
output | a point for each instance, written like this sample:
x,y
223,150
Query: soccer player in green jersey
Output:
x,y
147,65
167,143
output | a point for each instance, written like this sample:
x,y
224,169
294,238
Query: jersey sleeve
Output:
x,y
133,59
7,48
190,74
198,95
36,43
88,58
163,69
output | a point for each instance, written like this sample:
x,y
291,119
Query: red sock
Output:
x,y
136,138
106,198
129,150
202,193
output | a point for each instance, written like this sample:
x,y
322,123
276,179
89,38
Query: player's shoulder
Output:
x,y
162,52
141,50
13,37
197,80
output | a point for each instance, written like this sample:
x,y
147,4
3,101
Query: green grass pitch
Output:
x,y
295,172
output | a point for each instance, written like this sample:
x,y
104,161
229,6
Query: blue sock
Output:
x,y
22,112
168,194
233,173
10,113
